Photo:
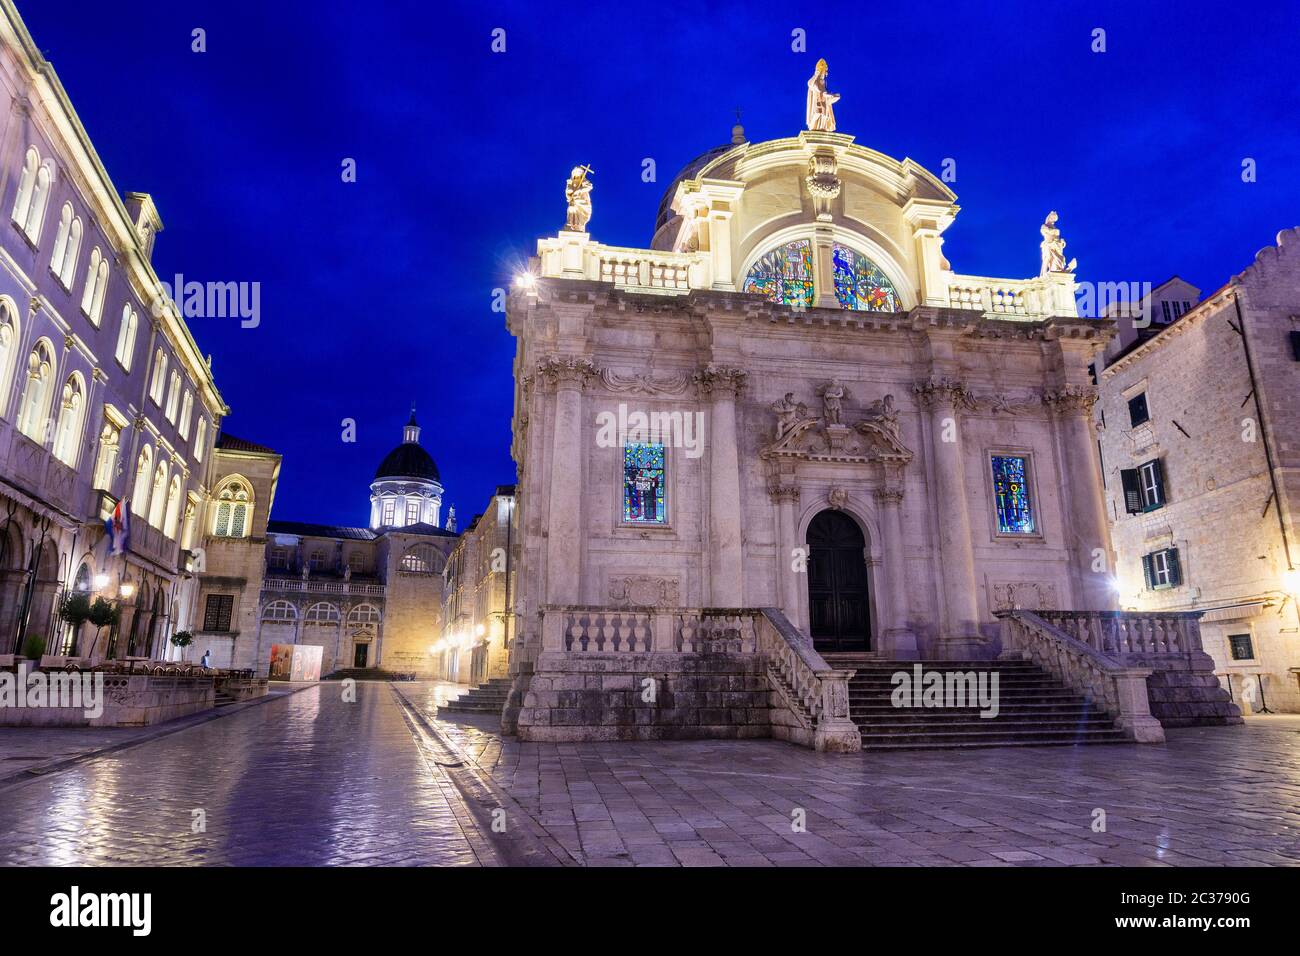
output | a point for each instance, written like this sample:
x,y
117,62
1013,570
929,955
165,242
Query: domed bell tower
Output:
x,y
407,488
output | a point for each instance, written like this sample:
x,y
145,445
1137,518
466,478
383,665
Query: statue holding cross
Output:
x,y
577,192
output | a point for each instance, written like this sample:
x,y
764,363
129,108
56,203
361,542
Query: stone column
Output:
x,y
960,637
897,640
786,495
568,376
824,264
726,582
720,248
1072,412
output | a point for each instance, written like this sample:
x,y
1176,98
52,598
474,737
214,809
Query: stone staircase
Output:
x,y
1034,709
486,698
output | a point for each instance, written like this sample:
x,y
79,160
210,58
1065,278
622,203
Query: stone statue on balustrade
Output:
x,y
577,192
1053,248
821,104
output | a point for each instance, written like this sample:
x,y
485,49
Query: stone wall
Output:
x,y
646,697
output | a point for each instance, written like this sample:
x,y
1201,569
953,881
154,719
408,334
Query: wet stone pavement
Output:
x,y
302,780
308,779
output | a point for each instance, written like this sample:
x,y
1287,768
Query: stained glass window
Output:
x,y
860,284
643,484
1011,495
785,274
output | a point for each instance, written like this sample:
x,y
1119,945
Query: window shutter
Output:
x,y
1159,470
1146,572
1132,490
1175,570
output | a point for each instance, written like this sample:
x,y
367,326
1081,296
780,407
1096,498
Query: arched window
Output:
x,y
110,440
280,611
173,508
67,244
126,336
421,559
322,613
234,512
26,185
363,614
33,195
187,410
72,412
140,489
187,526
860,283
34,410
8,346
200,438
159,380
158,495
785,274
173,397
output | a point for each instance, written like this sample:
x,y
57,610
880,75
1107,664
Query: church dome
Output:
x,y
689,171
409,459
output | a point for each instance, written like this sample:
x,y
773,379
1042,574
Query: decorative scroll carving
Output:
x,y
812,440
669,385
644,591
1001,402
838,499
1023,595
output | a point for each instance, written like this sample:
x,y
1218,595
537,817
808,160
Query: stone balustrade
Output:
x,y
574,255
1118,688
814,694
316,585
1129,635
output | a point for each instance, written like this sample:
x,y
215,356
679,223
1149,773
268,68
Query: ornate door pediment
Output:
x,y
866,442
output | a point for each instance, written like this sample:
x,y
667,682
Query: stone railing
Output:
x,y
596,630
583,629
1119,689
816,695
1028,298
322,587
575,256
1129,635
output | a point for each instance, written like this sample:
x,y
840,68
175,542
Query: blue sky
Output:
x,y
379,293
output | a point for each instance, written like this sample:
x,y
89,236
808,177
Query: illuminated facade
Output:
x,y
1196,424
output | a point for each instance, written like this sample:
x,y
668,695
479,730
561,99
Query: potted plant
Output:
x,y
103,613
74,610
33,647
182,639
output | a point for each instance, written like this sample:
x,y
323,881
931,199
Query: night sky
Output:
x,y
379,293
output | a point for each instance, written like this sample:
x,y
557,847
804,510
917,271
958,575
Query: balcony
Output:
x,y
323,585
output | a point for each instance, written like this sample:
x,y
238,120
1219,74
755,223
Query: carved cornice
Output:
x,y
568,371
720,380
1071,398
944,392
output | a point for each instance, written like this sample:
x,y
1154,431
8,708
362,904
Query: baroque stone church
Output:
x,y
833,449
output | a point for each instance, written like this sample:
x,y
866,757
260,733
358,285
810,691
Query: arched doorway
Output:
x,y
839,600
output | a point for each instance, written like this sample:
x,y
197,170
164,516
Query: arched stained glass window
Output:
x,y
860,283
785,274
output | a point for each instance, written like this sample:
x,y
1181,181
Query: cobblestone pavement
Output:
x,y
1210,796
303,780
310,780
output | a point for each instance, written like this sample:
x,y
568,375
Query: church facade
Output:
x,y
791,401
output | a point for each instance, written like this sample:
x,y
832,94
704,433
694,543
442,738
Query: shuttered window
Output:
x,y
1162,569
1137,410
1144,487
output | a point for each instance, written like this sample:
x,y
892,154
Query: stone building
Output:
x,y
1202,470
104,395
370,597
477,626
791,401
